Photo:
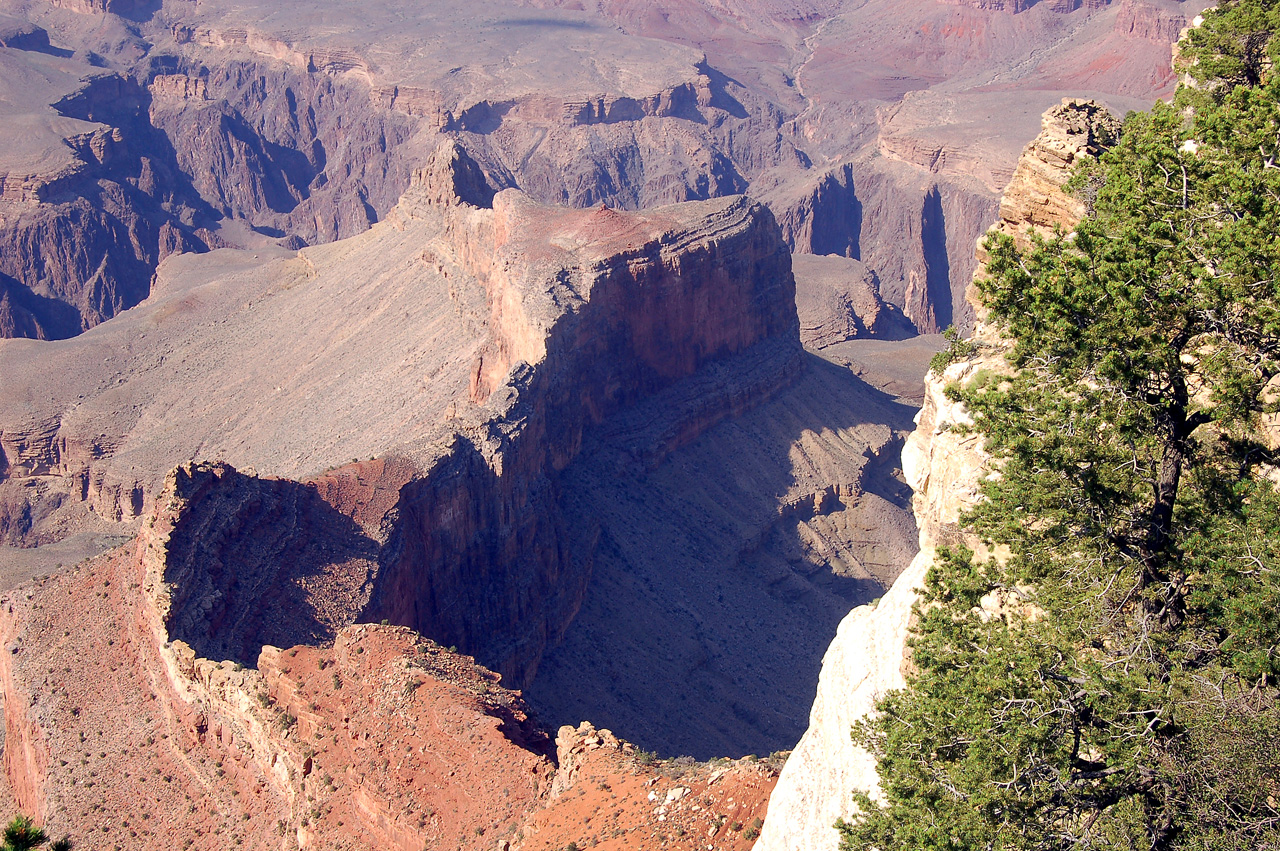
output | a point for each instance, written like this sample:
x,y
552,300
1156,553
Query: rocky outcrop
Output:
x,y
235,562
1034,198
917,235
839,299
382,739
686,806
590,312
944,466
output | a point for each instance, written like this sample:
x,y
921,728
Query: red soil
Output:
x,y
383,740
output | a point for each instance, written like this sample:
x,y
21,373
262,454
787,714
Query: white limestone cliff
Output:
x,y
944,467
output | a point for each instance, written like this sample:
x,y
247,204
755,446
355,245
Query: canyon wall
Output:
x,y
945,465
362,733
573,344
916,232
181,150
547,322
217,125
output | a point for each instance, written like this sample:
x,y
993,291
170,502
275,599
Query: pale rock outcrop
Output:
x,y
944,466
1034,198
868,655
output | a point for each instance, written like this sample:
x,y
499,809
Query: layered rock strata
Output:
x,y
944,464
497,364
559,320
242,124
838,299
546,322
380,739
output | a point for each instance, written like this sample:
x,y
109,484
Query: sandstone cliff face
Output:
x,y
945,467
458,530
1034,198
568,317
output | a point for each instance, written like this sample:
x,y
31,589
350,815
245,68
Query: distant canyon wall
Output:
x,y
917,234
307,145
297,155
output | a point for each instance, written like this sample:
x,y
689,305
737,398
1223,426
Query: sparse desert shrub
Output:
x,y
22,834
956,350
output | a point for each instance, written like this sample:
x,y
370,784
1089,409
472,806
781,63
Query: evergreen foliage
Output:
x,y
957,350
22,834
1121,686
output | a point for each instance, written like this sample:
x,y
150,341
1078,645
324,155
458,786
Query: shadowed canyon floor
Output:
x,y
718,567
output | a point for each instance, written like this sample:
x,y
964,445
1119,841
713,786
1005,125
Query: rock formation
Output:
x,y
379,739
944,466
233,124
839,299
556,320
536,389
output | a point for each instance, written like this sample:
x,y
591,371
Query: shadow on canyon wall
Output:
x,y
258,561
722,569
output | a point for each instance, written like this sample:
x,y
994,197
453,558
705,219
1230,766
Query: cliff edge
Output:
x,y
230,680
944,466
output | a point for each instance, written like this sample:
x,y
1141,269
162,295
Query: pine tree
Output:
x,y
22,834
1127,696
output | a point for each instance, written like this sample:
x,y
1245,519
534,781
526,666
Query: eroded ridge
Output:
x,y
455,527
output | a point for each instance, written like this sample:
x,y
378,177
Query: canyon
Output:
x,y
387,389
874,131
